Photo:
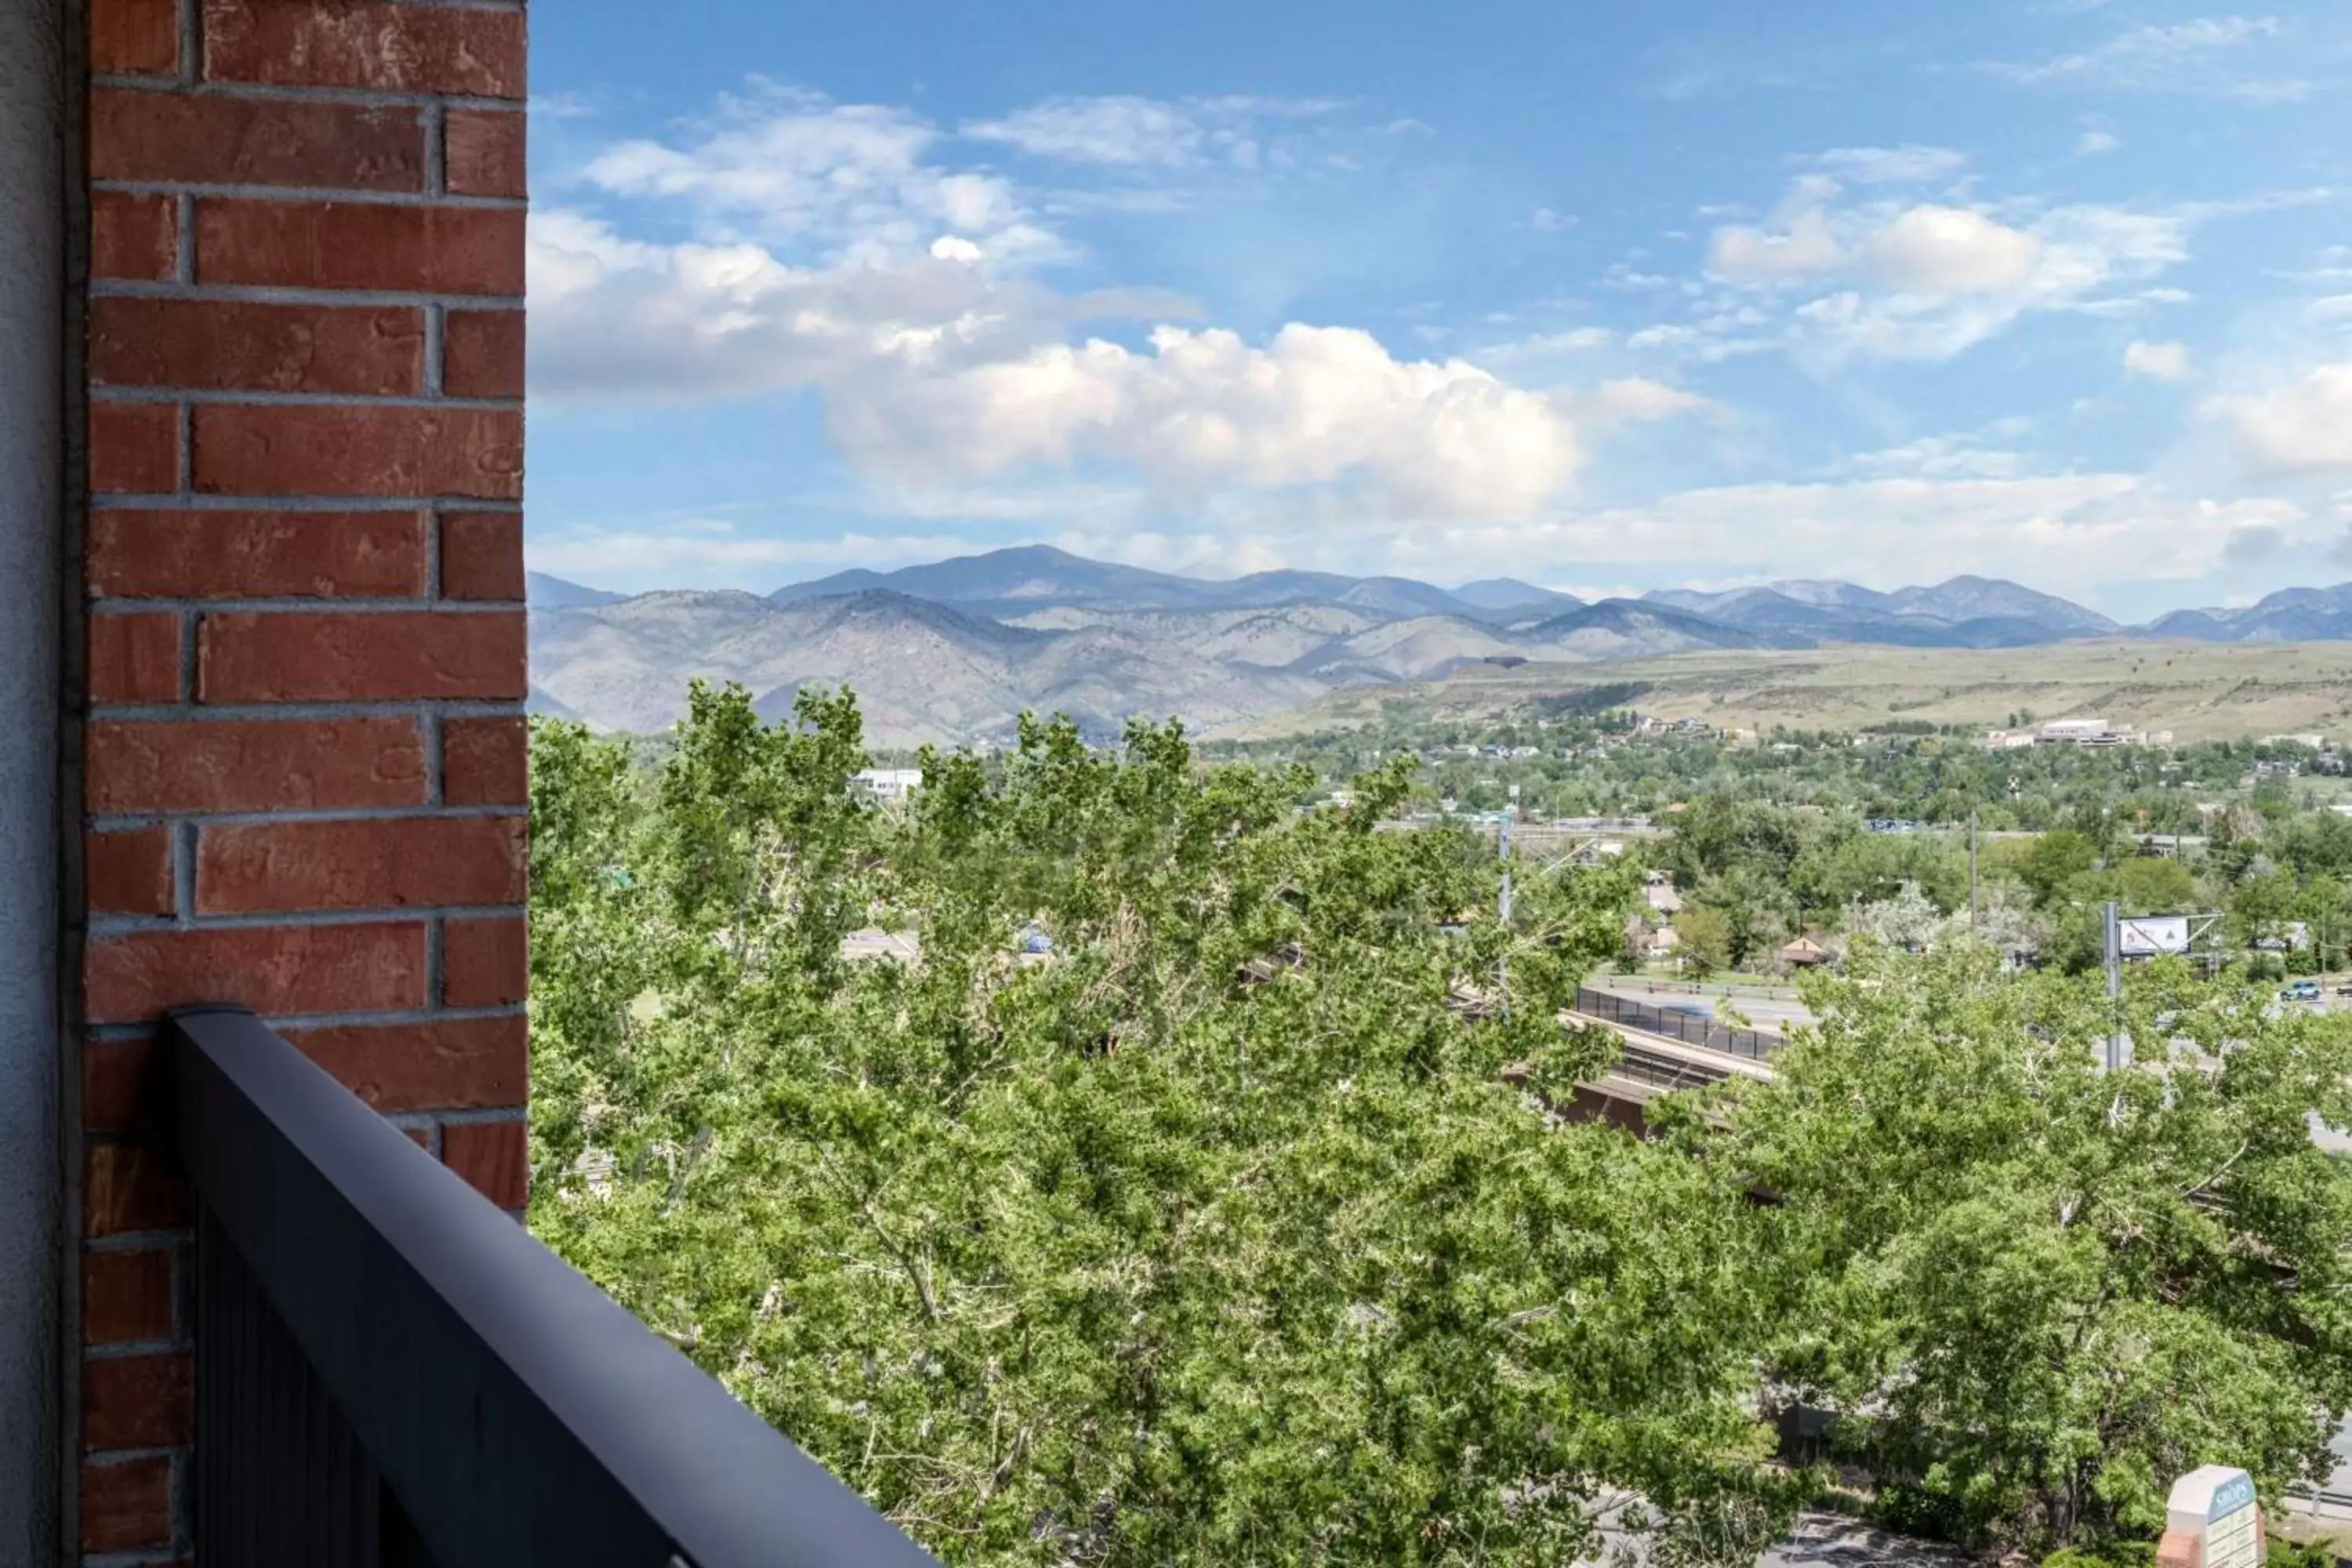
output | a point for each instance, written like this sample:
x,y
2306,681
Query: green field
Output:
x,y
2198,691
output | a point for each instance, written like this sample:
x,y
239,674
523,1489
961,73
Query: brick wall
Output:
x,y
302,752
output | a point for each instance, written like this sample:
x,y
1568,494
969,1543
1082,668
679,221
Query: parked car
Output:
x,y
2301,991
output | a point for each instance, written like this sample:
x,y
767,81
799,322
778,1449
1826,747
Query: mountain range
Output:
x,y
952,651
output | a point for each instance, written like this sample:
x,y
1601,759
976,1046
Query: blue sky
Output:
x,y
1607,297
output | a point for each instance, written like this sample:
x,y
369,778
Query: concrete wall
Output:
x,y
32,294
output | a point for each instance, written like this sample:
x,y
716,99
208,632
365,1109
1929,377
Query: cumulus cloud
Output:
x,y
1951,250
831,250
938,369
1799,244
2157,362
1929,280
2302,427
851,182
1199,410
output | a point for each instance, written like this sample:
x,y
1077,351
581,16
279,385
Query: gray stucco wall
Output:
x,y
32,291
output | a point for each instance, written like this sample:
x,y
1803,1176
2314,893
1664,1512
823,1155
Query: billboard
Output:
x,y
2145,936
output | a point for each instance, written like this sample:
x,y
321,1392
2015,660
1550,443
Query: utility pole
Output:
x,y
2115,985
1503,852
1972,868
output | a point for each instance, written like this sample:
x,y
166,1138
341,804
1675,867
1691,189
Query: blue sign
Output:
x,y
2237,1493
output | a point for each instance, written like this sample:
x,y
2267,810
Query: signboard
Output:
x,y
2216,1505
2145,936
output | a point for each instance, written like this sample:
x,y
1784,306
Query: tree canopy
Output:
x,y
1209,1228
1100,1159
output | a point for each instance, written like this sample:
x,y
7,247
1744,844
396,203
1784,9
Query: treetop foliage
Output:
x,y
1189,1187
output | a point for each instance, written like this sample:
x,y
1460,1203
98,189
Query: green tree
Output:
x,y
2036,1292
2151,885
1175,1206
2055,859
1705,933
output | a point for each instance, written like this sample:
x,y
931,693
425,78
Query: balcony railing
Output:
x,y
391,1373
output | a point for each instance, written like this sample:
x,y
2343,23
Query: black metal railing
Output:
x,y
1690,1029
391,1373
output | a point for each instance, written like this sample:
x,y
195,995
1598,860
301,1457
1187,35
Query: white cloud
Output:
x,y
2157,362
1951,250
1544,220
818,179
942,371
1910,163
2205,56
1799,244
2096,141
1943,458
1637,399
1144,133
1203,410
2302,427
831,252
1916,280
2067,533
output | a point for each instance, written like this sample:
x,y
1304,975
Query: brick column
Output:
x,y
303,751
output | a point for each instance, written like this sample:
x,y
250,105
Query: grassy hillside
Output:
x,y
2198,691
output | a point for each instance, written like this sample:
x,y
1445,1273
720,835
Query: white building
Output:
x,y
2079,732
889,786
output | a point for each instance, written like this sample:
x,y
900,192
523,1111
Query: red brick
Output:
x,y
483,354
377,966
126,1295
128,873
481,555
464,1064
253,764
229,344
125,1087
392,47
299,656
256,868
215,140
134,37
482,153
361,245
485,963
134,447
126,1506
256,555
493,1156
133,236
138,1401
485,762
134,659
132,1188
276,449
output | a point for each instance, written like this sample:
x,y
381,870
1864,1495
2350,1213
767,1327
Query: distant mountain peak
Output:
x,y
542,592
